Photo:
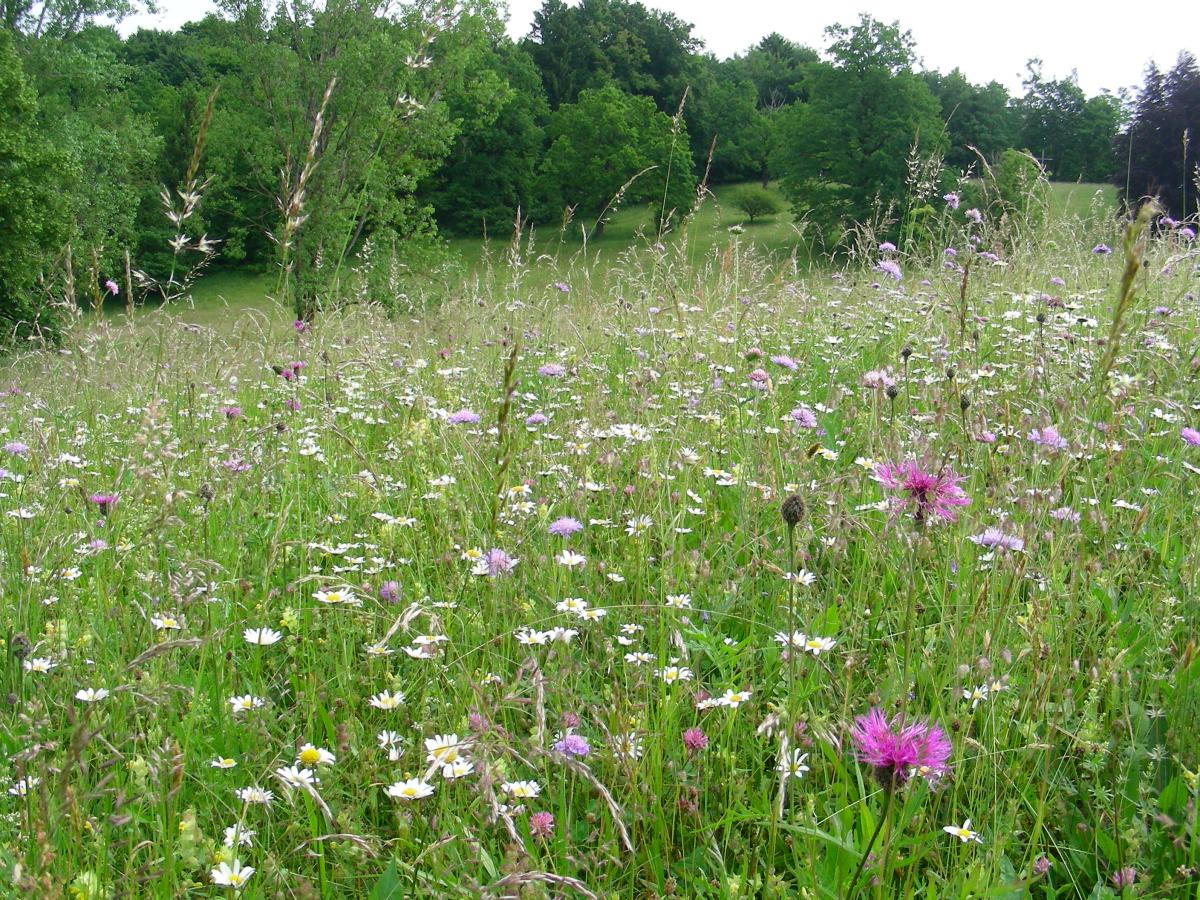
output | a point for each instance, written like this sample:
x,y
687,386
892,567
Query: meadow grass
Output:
x,y
500,599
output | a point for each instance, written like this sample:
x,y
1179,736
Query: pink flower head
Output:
x,y
928,493
1048,437
695,740
104,501
897,749
111,287
463,417
541,824
1123,878
1190,436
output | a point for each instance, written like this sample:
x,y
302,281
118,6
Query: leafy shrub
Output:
x,y
755,202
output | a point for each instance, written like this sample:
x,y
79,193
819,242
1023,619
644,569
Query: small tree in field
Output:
x,y
755,203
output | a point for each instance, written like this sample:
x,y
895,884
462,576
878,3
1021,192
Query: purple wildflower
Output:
x,y
695,740
536,419
463,417
974,215
552,370
887,247
573,745
1048,437
1066,514
111,287
928,493
564,527
786,361
105,502
986,437
804,417
891,268
231,412
1190,436
16,448
300,325
389,592
1102,249
952,200
995,539
497,562
759,379
1123,878
1057,281
562,287
897,749
541,824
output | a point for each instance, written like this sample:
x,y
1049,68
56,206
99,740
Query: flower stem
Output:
x,y
862,863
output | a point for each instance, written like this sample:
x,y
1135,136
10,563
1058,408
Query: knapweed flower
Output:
x,y
963,832
927,493
1190,436
389,592
897,749
234,876
541,824
995,539
104,502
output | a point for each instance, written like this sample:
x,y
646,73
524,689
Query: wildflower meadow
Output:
x,y
704,575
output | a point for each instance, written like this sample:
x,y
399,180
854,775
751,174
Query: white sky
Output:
x,y
1109,45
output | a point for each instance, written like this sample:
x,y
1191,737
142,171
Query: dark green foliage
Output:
x,y
979,116
617,42
723,119
844,154
35,215
1153,156
1066,131
776,67
755,202
491,171
611,148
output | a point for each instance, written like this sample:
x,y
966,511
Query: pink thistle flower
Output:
x,y
928,493
897,749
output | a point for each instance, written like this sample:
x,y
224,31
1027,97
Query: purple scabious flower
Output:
x,y
536,419
974,215
1058,282
759,379
463,417
695,740
541,824
573,745
389,592
1048,437
552,370
111,287
804,417
891,268
1190,436
497,562
952,200
562,287
995,539
564,527
16,448
231,412
786,361
927,493
1102,249
897,749
887,247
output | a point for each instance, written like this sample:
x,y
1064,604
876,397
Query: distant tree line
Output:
x,y
312,137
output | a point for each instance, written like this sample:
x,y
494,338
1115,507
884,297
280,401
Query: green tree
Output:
x,y
723,118
846,151
776,67
979,116
600,42
1065,130
500,117
755,202
35,216
611,147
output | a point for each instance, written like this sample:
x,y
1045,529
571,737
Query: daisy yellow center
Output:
x,y
310,756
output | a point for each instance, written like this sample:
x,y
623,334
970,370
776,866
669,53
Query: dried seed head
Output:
x,y
792,510
906,352
892,392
